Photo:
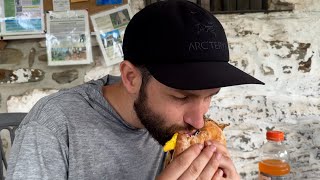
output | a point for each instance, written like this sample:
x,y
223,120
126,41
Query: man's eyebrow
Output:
x,y
215,93
187,93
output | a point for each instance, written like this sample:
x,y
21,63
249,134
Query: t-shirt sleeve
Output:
x,y
37,154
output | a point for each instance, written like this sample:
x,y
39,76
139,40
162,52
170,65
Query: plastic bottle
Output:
x,y
274,158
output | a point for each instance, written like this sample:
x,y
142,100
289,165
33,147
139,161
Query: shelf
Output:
x,y
29,36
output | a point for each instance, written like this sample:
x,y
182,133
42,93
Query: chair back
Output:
x,y
8,124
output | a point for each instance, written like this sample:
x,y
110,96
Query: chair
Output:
x,y
8,121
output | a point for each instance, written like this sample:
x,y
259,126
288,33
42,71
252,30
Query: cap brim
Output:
x,y
200,75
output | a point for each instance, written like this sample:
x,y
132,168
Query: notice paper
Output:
x,y
68,38
61,5
109,27
21,17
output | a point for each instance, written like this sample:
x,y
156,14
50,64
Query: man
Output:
x,y
175,59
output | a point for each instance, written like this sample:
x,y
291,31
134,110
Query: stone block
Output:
x,y
3,44
25,101
22,75
65,76
10,56
31,57
43,58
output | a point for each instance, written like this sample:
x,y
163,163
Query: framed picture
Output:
x,y
18,17
109,27
68,38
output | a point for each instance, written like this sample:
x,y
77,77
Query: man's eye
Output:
x,y
208,97
181,98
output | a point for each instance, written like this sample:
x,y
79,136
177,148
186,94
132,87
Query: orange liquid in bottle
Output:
x,y
274,167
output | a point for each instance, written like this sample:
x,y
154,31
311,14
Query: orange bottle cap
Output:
x,y
275,135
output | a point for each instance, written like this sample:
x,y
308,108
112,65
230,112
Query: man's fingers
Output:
x,y
218,175
228,168
182,162
211,167
195,170
221,148
208,161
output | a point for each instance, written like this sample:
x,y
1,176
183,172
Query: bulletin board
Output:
x,y
89,5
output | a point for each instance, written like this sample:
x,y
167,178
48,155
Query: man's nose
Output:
x,y
194,115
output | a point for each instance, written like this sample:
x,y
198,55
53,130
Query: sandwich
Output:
x,y
181,141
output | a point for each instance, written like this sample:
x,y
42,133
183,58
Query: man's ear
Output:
x,y
131,77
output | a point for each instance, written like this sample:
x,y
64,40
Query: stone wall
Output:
x,y
281,49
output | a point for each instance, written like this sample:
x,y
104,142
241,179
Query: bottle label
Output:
x,y
263,176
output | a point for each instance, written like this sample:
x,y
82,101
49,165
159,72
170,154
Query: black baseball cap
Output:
x,y
183,46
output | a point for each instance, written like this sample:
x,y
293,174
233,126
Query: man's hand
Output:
x,y
209,161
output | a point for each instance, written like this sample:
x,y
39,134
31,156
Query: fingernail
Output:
x,y
218,156
201,146
208,143
212,148
220,172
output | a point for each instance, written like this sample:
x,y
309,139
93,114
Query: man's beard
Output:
x,y
153,122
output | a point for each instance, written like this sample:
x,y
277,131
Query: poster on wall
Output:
x,y
21,17
68,38
109,27
104,2
61,5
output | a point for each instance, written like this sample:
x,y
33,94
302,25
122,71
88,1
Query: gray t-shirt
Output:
x,y
76,134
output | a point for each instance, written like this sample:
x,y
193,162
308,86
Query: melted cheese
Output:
x,y
171,144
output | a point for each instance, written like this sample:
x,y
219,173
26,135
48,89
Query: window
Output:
x,y
240,6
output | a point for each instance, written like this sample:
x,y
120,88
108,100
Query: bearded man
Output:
x,y
175,59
